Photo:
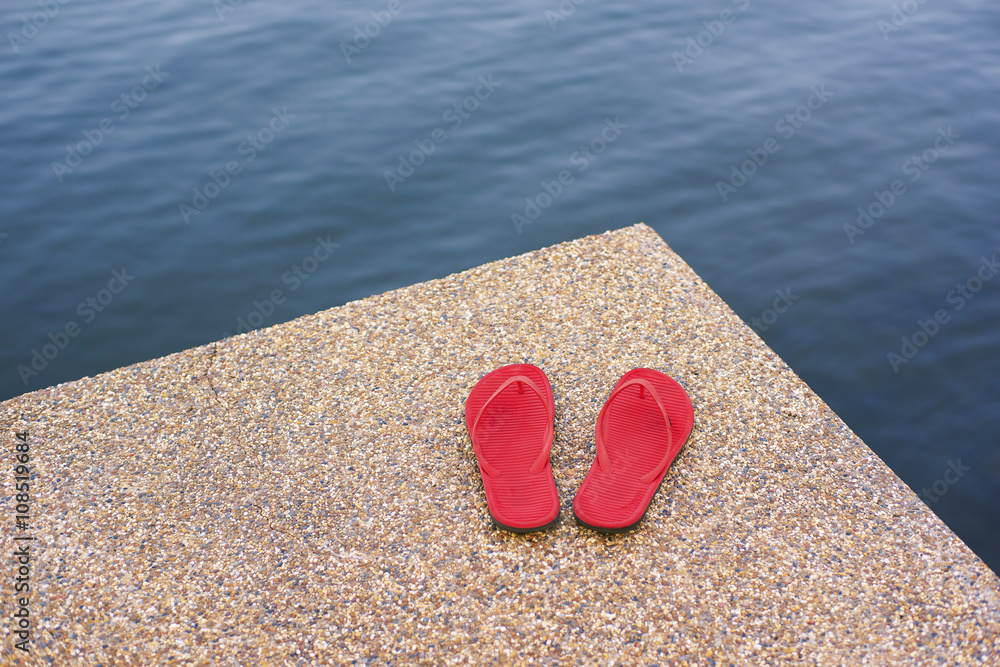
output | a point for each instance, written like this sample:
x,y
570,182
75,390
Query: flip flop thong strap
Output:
x,y
543,456
602,451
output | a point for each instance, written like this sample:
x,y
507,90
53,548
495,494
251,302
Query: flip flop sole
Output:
x,y
511,433
637,442
525,531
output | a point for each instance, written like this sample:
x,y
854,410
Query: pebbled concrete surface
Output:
x,y
307,494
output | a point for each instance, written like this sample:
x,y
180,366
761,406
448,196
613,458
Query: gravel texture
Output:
x,y
307,494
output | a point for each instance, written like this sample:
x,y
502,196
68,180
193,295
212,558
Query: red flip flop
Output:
x,y
641,428
509,415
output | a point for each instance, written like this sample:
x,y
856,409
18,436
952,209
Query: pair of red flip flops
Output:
x,y
640,430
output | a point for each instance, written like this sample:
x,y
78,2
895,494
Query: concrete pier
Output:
x,y
307,494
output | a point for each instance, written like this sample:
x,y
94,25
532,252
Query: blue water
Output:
x,y
645,112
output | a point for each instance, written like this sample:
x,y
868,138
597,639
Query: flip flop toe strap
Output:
x,y
543,456
602,451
